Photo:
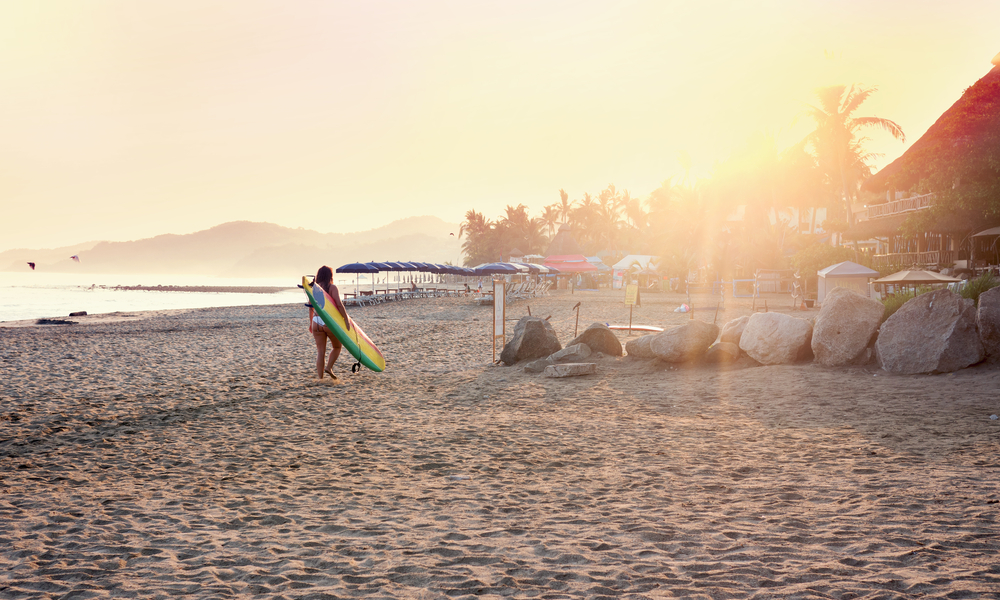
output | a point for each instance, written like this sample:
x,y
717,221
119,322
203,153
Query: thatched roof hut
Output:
x,y
960,149
564,243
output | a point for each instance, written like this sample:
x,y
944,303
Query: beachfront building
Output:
x,y
942,191
880,231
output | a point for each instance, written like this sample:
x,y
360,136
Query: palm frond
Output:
x,y
880,123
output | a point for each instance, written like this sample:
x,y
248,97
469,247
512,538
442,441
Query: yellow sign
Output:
x,y
632,294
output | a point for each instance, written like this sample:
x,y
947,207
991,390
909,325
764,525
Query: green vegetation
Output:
x,y
958,157
818,256
974,287
894,302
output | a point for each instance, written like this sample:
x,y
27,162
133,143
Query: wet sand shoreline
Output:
x,y
189,453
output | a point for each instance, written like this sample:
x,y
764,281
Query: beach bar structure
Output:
x,y
949,175
846,275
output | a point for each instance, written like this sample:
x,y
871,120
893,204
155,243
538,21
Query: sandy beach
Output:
x,y
190,453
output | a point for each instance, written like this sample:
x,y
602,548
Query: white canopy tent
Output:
x,y
846,275
640,261
643,260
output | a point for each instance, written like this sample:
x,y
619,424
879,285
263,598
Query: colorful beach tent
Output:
x,y
846,274
570,263
597,262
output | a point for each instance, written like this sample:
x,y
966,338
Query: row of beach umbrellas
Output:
x,y
498,268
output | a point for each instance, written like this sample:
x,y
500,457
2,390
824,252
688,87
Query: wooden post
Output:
x,y
499,316
576,328
631,299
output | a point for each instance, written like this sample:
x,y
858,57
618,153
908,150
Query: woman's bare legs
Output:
x,y
320,336
334,354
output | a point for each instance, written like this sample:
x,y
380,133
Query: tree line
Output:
x,y
723,221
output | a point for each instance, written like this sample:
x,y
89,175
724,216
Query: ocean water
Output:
x,y
34,295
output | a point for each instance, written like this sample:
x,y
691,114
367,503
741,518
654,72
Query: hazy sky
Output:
x,y
122,120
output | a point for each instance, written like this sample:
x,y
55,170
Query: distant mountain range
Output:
x,y
246,249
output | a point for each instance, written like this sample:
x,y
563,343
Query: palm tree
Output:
x,y
517,229
480,238
634,211
585,218
550,217
474,222
565,204
835,139
609,222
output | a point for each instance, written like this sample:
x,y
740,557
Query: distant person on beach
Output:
x,y
324,279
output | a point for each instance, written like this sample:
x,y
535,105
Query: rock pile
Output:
x,y
533,338
937,332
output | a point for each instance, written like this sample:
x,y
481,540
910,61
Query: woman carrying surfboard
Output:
x,y
324,279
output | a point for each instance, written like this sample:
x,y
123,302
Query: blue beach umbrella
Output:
x,y
381,267
357,268
495,269
406,266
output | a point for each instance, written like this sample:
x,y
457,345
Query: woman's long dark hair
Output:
x,y
324,277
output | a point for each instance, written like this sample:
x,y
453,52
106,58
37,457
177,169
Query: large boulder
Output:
x,y
571,354
988,321
600,339
932,333
533,338
685,343
733,330
776,339
639,347
844,328
722,353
